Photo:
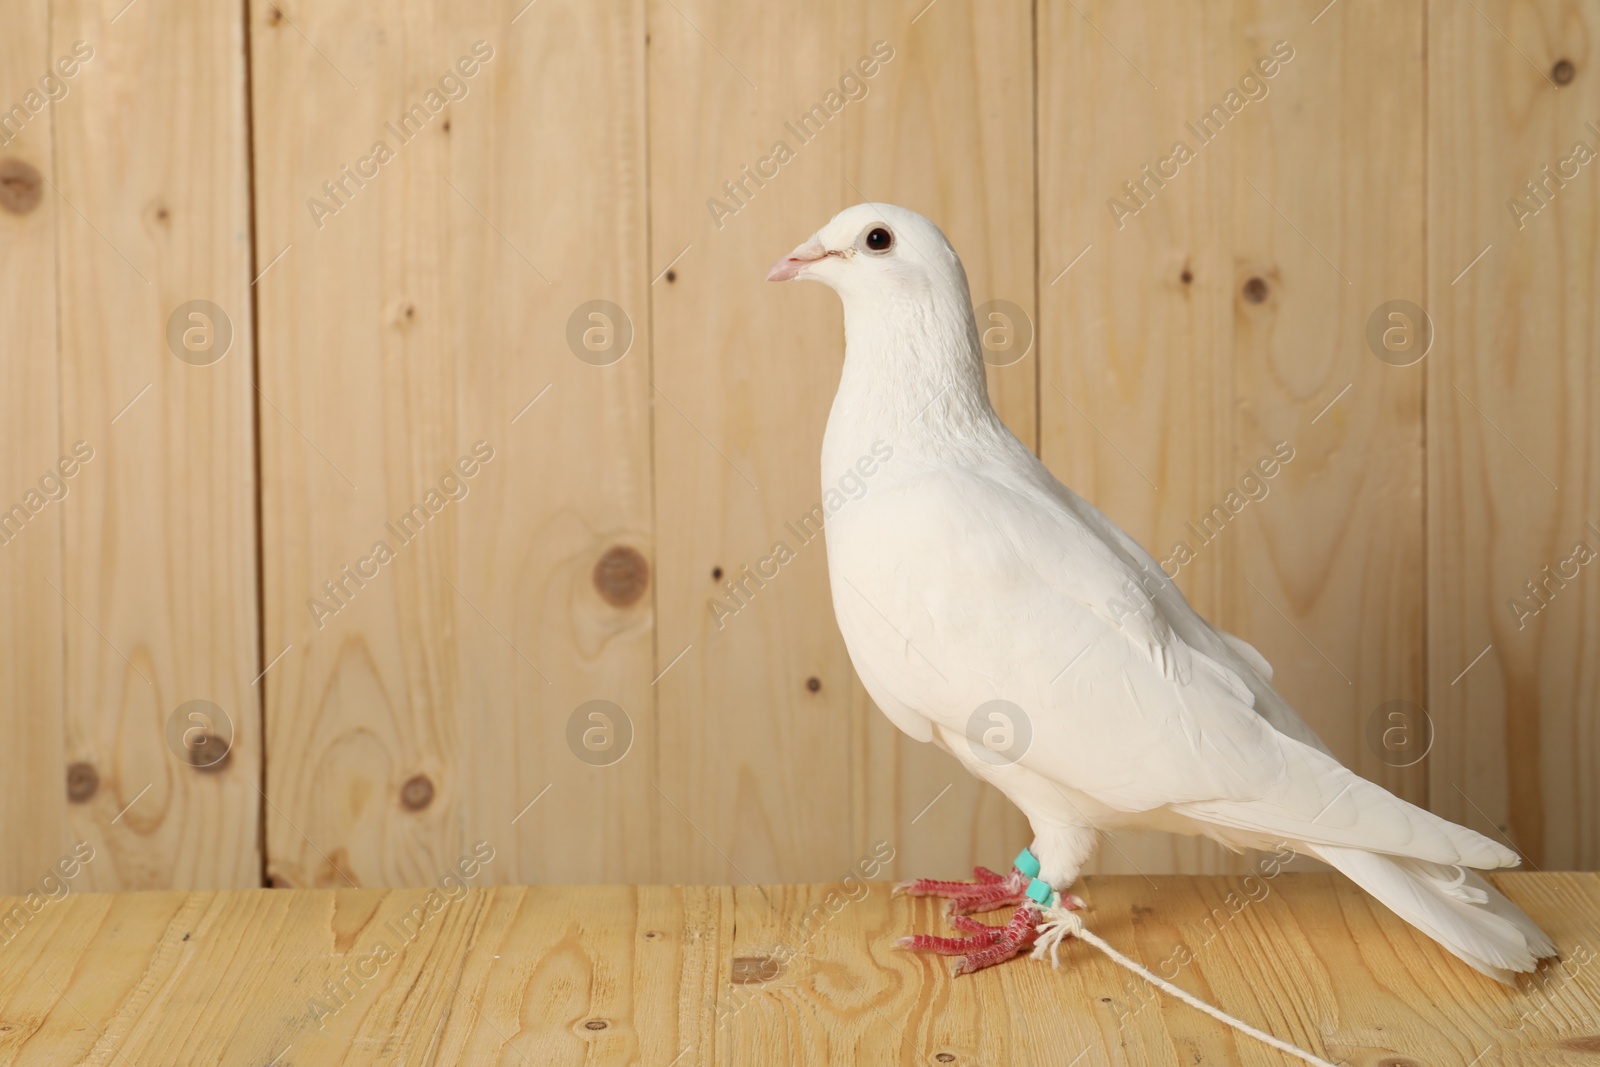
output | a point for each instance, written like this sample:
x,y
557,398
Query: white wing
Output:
x,y
1193,629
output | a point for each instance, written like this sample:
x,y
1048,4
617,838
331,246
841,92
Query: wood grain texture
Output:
x,y
606,182
32,771
1215,313
416,340
159,551
791,974
1512,443
1329,203
744,373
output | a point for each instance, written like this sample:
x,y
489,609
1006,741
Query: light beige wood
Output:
x,y
32,772
422,316
758,772
1337,547
1511,435
159,552
1203,329
428,307
790,974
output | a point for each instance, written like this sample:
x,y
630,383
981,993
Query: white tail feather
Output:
x,y
1456,907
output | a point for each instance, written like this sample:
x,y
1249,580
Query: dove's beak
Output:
x,y
790,266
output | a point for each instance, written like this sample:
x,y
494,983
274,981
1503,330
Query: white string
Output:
x,y
1061,923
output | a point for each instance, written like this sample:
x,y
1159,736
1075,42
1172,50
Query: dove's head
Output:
x,y
909,332
877,251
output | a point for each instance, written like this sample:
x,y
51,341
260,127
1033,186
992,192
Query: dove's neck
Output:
x,y
913,380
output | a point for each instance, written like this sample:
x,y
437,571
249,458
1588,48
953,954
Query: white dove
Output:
x,y
968,575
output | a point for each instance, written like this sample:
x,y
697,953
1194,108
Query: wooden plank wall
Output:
x,y
159,560
421,708
32,800
1514,487
504,261
132,598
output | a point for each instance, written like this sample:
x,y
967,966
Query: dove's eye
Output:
x,y
879,239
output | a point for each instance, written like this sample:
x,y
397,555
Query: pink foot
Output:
x,y
988,892
987,945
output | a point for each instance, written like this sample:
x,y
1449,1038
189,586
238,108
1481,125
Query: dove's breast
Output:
x,y
925,585
859,562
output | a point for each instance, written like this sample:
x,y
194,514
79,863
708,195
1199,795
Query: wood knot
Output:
x,y
750,970
621,576
945,1057
1563,72
672,276
813,684
274,17
82,781
417,793
653,935
716,574
1255,290
20,186
206,751
596,1024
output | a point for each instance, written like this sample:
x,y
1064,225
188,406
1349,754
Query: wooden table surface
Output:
x,y
792,974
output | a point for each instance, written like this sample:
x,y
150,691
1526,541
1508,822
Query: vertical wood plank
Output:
x,y
159,561
1327,574
743,377
1512,477
417,352
948,132
32,772
562,549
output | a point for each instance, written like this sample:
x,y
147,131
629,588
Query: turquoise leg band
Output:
x,y
1027,863
1040,893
